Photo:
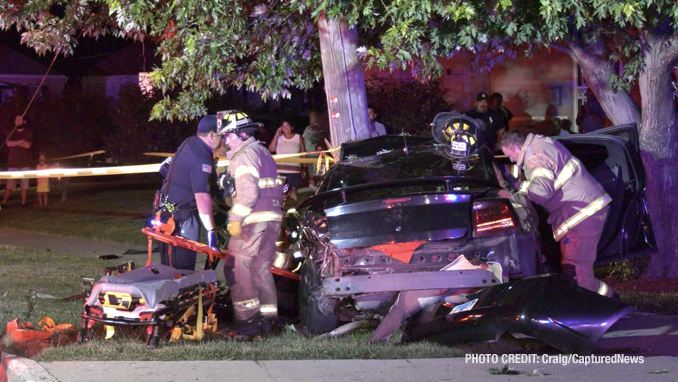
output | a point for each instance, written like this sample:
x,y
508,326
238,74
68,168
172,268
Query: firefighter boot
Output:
x,y
246,328
269,325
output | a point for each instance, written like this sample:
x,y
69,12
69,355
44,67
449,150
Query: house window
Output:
x,y
556,95
6,93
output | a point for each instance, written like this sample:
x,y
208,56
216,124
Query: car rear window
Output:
x,y
423,162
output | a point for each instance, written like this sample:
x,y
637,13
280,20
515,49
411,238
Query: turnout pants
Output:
x,y
579,248
248,271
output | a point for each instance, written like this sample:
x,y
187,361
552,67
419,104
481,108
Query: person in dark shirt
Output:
x,y
496,103
494,123
591,116
19,157
187,188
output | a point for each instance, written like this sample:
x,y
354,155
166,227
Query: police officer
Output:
x,y
494,122
577,204
254,225
187,190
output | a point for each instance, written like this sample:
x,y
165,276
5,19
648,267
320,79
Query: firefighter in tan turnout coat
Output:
x,y
254,225
577,204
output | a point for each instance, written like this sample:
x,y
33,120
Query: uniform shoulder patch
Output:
x,y
207,168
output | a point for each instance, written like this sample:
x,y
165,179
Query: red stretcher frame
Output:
x,y
201,248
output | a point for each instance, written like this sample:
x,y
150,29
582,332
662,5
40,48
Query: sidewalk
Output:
x,y
420,370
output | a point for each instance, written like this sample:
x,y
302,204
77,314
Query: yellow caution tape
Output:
x,y
144,168
75,172
159,154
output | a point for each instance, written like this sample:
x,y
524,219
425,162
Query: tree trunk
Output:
x,y
659,146
658,132
344,81
595,67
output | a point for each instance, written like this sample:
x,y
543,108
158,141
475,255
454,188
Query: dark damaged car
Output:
x,y
395,210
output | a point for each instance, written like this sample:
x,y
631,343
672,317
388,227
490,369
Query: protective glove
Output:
x,y
212,240
234,229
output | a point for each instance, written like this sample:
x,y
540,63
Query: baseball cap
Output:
x,y
482,97
207,123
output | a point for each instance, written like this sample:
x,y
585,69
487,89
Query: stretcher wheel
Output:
x,y
81,334
153,337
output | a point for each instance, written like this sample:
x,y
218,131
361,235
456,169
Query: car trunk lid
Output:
x,y
399,220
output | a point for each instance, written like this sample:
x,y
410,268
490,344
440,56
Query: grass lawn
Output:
x,y
113,211
32,284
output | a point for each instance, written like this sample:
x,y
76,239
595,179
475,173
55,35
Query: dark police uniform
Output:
x,y
190,173
493,123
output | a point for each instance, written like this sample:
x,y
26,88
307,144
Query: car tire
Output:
x,y
318,314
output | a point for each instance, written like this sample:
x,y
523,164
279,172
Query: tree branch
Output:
x,y
562,48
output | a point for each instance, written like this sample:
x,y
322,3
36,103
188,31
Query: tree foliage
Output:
x,y
272,46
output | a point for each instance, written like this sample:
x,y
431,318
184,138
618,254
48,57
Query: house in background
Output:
x,y
529,85
20,71
127,66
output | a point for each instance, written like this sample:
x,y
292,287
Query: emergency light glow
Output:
x,y
451,198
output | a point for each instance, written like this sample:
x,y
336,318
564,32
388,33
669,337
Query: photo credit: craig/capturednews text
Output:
x,y
550,359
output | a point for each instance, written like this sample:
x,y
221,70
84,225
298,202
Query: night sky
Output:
x,y
88,53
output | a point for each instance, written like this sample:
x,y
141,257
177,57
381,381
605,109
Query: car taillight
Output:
x,y
492,216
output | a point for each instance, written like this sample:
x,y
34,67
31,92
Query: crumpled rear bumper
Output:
x,y
548,308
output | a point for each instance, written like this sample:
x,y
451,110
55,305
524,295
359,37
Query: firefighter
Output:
x,y
254,225
577,204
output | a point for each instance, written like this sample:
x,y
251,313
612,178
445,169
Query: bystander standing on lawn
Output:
x,y
19,141
43,183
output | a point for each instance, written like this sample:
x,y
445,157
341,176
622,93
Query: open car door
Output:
x,y
612,156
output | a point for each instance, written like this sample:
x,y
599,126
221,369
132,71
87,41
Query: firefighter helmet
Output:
x,y
457,132
234,121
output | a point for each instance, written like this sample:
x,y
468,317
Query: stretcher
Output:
x,y
155,296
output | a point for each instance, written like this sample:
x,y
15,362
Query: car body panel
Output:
x,y
399,220
548,308
388,282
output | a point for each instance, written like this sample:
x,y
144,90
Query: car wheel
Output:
x,y
318,314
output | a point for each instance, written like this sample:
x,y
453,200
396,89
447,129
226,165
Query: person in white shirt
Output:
x,y
376,128
286,141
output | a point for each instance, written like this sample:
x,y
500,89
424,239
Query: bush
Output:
x,y
406,106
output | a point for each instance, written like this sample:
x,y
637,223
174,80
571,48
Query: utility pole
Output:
x,y
344,81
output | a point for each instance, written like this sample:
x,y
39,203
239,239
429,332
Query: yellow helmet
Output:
x,y
234,121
